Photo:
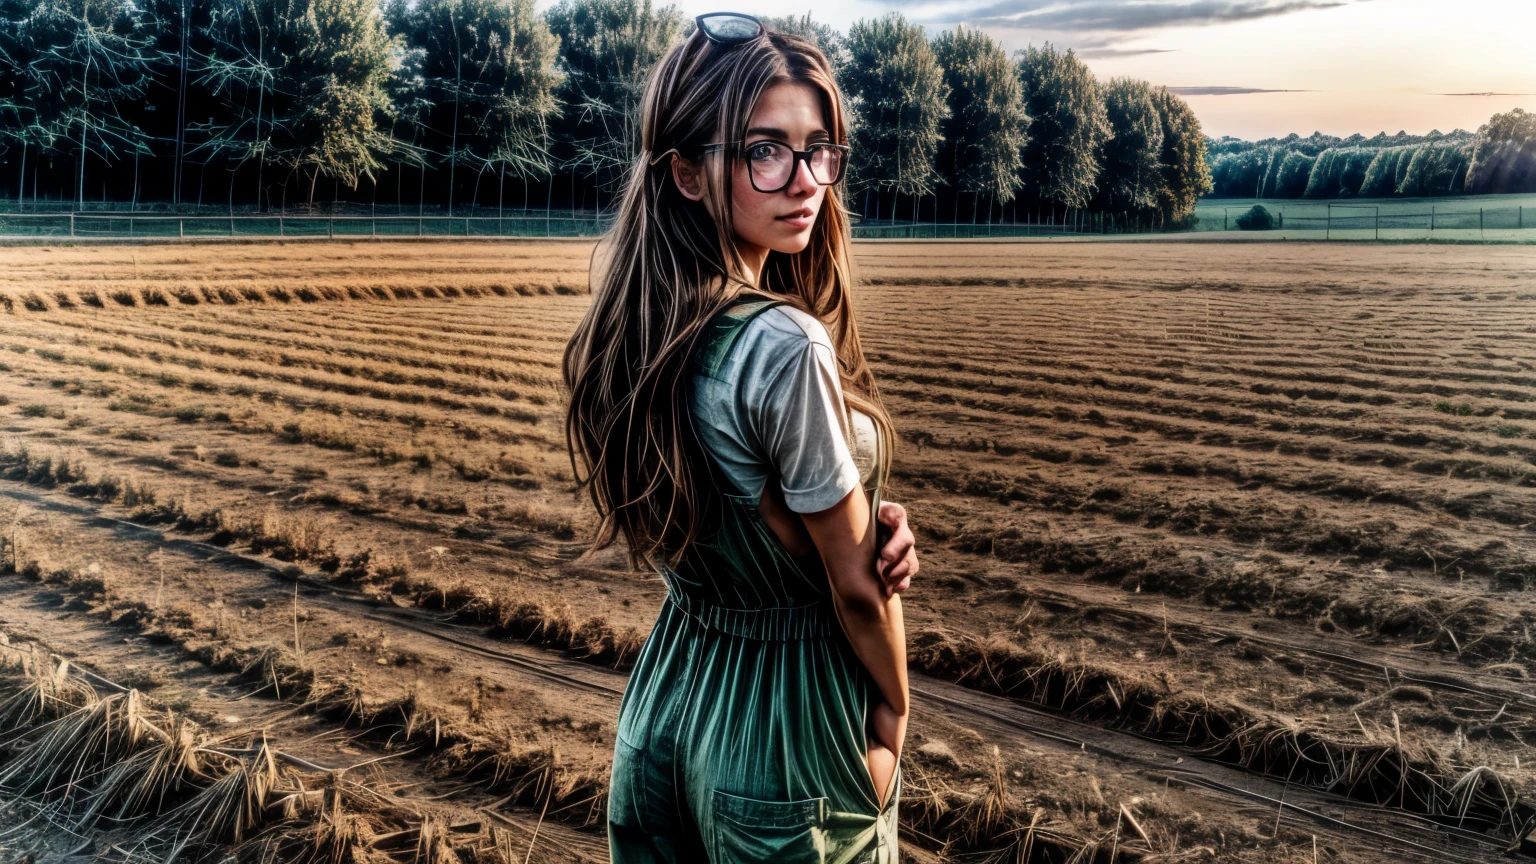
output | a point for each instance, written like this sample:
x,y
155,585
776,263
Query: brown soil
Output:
x,y
1225,553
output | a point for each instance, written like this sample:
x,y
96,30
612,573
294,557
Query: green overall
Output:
x,y
741,733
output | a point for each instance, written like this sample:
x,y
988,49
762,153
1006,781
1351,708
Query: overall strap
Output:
x,y
721,331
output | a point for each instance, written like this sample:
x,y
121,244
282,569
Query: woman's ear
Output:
x,y
689,177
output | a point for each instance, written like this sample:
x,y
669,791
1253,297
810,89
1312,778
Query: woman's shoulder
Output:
x,y
783,331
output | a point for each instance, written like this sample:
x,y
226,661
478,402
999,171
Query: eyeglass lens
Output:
x,y
773,163
729,28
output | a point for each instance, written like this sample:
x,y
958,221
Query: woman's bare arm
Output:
x,y
844,535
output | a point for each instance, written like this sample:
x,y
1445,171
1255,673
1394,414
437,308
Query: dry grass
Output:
x,y
119,766
120,278
1280,438
1378,766
242,790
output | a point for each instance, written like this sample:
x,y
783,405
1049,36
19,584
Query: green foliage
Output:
x,y
489,68
1186,174
1338,172
67,67
324,69
1421,169
985,133
606,49
897,95
1382,174
1068,125
1504,154
1238,174
1317,142
1130,177
1289,174
1434,169
1256,219
823,36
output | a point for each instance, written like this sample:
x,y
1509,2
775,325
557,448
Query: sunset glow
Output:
x,y
1359,65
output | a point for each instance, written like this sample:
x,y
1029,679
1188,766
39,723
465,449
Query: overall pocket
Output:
x,y
754,831
626,786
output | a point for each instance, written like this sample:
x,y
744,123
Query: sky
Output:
x,y
1261,68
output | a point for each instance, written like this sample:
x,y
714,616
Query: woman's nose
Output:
x,y
803,183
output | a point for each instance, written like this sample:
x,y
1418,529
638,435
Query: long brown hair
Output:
x,y
669,266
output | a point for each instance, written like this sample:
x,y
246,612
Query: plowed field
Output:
x,y
1228,552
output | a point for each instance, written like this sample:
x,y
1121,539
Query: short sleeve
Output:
x,y
795,410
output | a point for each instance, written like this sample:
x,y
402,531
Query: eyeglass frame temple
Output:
x,y
698,21
794,157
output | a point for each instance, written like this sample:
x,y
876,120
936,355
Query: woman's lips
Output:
x,y
802,218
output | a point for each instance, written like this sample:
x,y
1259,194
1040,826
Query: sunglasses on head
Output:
x,y
729,28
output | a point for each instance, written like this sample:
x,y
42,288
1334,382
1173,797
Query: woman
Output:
x,y
725,421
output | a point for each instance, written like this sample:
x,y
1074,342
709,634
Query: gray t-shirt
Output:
x,y
775,408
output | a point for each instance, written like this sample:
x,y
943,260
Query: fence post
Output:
x,y
1378,223
181,228
279,224
1520,216
330,227
1480,224
71,223
418,225
1431,218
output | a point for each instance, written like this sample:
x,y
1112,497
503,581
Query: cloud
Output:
x,y
1123,16
1212,90
1109,53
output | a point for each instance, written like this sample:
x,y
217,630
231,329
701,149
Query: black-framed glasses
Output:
x,y
772,164
729,28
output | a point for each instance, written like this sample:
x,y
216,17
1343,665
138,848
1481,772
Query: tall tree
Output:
x,y
489,67
177,114
606,49
985,133
1068,125
897,94
1186,173
823,36
1130,171
22,131
330,88
1504,154
410,107
72,65
237,69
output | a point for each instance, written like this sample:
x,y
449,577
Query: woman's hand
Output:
x,y
897,563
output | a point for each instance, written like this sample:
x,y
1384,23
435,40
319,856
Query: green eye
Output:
x,y
762,151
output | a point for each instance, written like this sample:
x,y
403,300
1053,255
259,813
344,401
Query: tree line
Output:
x,y
455,105
1499,158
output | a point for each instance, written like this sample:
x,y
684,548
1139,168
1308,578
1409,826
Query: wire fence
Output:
x,y
130,225
139,225
1389,221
